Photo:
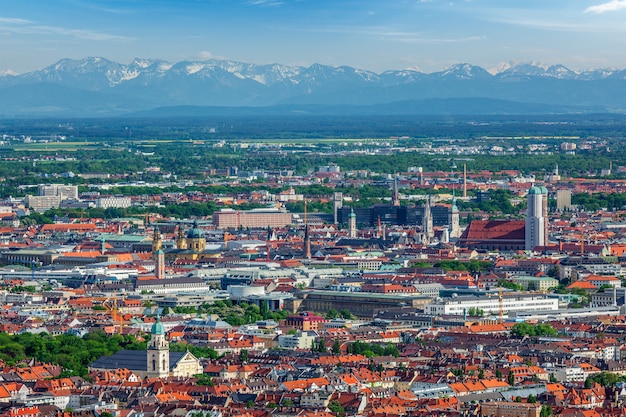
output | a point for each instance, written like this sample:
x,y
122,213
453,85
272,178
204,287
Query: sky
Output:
x,y
375,35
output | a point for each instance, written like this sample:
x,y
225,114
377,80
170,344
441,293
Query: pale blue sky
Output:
x,y
370,34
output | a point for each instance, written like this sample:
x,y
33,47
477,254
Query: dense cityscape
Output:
x,y
390,276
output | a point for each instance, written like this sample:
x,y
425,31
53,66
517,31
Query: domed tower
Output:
x,y
537,218
181,242
196,240
157,240
158,356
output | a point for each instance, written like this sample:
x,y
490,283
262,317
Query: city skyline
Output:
x,y
426,35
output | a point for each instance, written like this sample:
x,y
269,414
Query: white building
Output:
x,y
491,305
63,191
113,202
299,340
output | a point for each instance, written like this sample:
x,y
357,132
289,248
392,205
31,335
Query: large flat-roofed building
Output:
x,y
173,285
257,218
61,190
362,305
536,283
106,202
510,409
563,200
29,257
491,305
50,196
42,203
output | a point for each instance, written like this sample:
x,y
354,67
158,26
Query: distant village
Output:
x,y
409,307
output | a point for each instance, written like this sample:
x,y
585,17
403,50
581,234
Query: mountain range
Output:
x,y
93,87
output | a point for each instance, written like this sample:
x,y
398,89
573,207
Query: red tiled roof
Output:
x,y
496,229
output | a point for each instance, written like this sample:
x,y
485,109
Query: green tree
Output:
x,y
204,380
336,407
332,314
321,345
511,379
336,347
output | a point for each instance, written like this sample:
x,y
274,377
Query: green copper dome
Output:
x,y
538,190
195,232
157,327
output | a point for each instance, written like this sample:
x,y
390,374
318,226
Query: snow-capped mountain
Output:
x,y
97,86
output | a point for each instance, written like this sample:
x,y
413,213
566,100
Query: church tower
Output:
x,y
427,224
157,240
453,220
537,218
159,264
352,231
181,241
158,353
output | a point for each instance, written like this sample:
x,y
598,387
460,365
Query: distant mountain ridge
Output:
x,y
98,87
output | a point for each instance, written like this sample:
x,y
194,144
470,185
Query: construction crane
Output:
x,y
115,313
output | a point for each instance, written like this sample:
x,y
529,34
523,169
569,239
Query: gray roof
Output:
x,y
135,360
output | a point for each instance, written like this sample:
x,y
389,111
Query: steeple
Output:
x,y
158,353
159,264
157,240
427,223
453,219
181,242
352,230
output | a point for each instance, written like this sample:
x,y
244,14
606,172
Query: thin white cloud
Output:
x,y
17,26
264,3
610,6
14,21
390,34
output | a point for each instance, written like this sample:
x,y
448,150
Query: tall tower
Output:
x,y
158,353
396,194
352,224
157,240
427,223
453,220
159,264
337,204
307,242
181,241
537,218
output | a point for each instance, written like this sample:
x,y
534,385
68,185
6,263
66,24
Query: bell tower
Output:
x,y
158,353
